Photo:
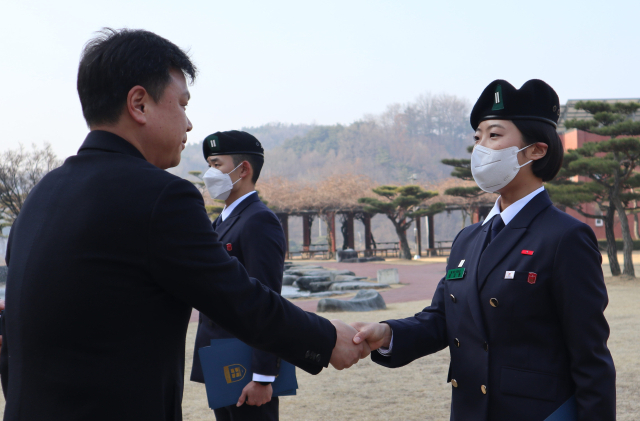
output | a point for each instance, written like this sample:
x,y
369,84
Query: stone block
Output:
x,y
341,255
304,282
354,285
335,273
388,276
288,279
343,278
365,300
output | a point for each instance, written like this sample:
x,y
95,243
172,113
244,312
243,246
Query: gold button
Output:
x,y
453,298
457,342
493,302
484,389
454,383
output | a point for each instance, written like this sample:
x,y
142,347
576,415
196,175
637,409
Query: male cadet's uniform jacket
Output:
x,y
106,260
519,347
253,234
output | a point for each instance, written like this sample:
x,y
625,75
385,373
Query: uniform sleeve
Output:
x,y
420,335
581,298
417,336
263,249
186,259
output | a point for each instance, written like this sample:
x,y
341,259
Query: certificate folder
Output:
x,y
568,411
226,366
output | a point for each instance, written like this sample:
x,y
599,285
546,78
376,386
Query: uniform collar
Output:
x,y
229,209
509,213
108,142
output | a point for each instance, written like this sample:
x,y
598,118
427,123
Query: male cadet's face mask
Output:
x,y
494,169
218,183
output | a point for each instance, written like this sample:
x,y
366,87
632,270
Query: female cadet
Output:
x,y
521,305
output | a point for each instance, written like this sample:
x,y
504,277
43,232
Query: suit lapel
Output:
x,y
509,236
235,215
472,283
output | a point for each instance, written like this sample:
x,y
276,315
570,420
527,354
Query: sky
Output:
x,y
315,62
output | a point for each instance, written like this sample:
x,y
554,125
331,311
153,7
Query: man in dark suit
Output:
x,y
110,253
252,233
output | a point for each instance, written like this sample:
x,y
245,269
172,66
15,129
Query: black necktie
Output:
x,y
217,223
496,226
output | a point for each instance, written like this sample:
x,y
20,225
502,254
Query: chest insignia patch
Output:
x,y
461,263
453,274
532,278
528,252
510,274
229,247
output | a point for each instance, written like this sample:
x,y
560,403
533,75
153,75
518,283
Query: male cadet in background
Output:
x,y
252,233
111,252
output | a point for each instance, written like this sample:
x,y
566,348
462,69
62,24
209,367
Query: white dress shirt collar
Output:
x,y
228,209
509,213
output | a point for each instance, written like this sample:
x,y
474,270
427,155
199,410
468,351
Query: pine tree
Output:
x,y
402,206
611,163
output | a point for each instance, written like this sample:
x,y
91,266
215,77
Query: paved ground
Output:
x,y
419,279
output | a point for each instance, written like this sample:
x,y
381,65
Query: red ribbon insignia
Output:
x,y
528,252
229,248
532,278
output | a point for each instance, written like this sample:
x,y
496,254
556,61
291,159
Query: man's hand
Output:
x,y
376,335
346,353
255,394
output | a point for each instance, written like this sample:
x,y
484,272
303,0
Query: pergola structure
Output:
x,y
338,195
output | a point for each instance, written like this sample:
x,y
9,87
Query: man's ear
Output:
x,y
538,151
246,170
137,100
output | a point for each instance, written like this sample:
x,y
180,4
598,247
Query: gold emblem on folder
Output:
x,y
234,373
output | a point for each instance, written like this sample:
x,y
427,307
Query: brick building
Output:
x,y
572,139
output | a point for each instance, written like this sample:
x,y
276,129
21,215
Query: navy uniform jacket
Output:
x,y
529,345
106,260
253,234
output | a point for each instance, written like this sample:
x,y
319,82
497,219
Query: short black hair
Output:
x,y
537,131
117,60
256,162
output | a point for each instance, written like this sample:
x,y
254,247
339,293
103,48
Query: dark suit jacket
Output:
x,y
253,234
541,341
106,260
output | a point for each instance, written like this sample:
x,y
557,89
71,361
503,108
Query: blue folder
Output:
x,y
568,411
226,366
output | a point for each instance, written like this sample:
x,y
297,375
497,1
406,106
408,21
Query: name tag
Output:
x,y
457,273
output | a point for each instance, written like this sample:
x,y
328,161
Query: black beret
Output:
x,y
233,142
535,100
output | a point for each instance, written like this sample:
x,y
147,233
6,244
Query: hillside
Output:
x,y
404,144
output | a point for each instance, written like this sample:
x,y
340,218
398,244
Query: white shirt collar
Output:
x,y
509,213
228,209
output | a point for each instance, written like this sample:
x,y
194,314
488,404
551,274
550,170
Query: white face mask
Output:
x,y
494,169
219,184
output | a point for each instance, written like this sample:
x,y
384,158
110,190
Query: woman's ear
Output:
x,y
537,151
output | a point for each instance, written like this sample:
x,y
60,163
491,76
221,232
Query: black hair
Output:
x,y
117,60
533,131
256,162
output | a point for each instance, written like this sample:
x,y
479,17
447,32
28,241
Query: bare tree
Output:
x,y
20,171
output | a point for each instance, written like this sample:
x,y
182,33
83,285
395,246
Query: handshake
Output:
x,y
356,341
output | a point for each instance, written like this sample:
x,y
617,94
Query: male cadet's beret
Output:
x,y
233,142
535,100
